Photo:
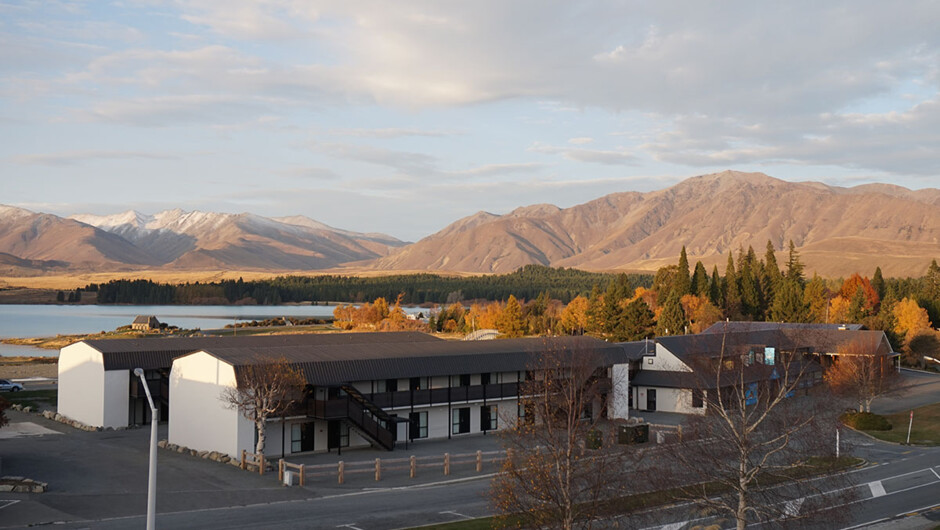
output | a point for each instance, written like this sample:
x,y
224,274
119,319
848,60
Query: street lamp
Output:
x,y
152,480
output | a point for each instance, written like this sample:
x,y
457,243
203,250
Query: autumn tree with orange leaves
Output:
x,y
863,372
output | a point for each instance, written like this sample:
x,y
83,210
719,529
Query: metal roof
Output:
x,y
738,326
153,353
343,363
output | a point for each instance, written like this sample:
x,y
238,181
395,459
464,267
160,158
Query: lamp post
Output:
x,y
152,478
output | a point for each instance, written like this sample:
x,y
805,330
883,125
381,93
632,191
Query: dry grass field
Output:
x,y
81,279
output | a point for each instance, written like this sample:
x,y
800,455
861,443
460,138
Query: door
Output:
x,y
651,399
333,434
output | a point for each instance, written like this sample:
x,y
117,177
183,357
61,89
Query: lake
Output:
x,y
21,320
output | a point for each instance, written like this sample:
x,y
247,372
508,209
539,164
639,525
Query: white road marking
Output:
x,y
8,503
451,512
792,508
877,489
351,526
935,472
673,526
25,428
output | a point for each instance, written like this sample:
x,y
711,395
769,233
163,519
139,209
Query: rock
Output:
x,y
58,417
203,454
162,444
225,459
48,414
27,409
180,450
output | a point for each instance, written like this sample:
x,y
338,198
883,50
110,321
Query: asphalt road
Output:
x,y
98,480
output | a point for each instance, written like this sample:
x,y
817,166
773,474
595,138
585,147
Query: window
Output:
x,y
485,379
386,385
649,360
464,379
301,437
418,383
460,421
418,425
697,402
488,417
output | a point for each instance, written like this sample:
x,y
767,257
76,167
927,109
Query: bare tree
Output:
x,y
862,373
265,388
561,461
763,432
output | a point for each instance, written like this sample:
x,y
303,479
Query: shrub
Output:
x,y
866,421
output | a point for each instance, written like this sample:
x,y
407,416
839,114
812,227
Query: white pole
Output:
x,y
909,425
152,477
837,442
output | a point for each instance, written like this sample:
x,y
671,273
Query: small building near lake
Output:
x,y
145,323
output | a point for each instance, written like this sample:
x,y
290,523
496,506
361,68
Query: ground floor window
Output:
x,y
418,425
488,417
460,420
697,399
301,437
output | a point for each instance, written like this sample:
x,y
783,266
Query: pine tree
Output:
x,y
637,322
683,285
771,278
789,305
751,296
794,265
700,280
672,318
878,283
731,290
714,288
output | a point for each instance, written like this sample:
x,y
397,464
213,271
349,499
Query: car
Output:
x,y
9,386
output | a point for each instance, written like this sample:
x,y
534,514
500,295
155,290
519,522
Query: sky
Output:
x,y
402,117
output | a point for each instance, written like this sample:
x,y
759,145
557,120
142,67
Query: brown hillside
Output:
x,y
840,230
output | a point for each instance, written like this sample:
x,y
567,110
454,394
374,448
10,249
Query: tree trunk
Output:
x,y
259,448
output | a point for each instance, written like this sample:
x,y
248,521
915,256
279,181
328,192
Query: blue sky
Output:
x,y
402,117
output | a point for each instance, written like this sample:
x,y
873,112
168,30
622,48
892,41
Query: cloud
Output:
x,y
580,140
65,158
501,169
404,162
313,173
392,133
594,156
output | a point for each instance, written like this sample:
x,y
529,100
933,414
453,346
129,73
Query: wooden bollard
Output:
x,y
378,469
414,465
339,472
479,460
679,431
280,470
261,464
303,475
244,462
447,463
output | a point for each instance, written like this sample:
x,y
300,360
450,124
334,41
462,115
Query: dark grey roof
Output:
x,y
816,340
126,354
730,377
637,349
145,319
737,326
343,363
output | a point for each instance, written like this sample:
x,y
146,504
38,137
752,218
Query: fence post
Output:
x,y
339,472
414,465
303,474
679,431
447,463
378,469
244,465
280,470
479,460
261,464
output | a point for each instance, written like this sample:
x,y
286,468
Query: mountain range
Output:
x,y
836,230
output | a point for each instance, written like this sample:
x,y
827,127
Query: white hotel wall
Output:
x,y
82,385
199,419
667,400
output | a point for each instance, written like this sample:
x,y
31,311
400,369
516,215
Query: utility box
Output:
x,y
633,434
291,478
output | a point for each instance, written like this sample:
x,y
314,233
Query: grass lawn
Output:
x,y
925,431
38,399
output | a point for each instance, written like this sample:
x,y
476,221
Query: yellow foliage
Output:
x,y
911,318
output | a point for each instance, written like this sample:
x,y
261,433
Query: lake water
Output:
x,y
50,320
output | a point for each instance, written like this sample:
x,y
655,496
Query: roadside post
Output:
x,y
152,478
909,425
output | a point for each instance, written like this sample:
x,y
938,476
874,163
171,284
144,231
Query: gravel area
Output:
x,y
25,371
